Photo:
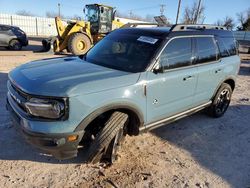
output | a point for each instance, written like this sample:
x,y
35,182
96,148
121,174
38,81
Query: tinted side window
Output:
x,y
227,46
177,53
206,49
4,28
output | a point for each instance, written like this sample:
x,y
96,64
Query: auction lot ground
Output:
x,y
197,151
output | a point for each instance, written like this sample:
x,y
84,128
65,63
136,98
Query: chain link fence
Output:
x,y
33,26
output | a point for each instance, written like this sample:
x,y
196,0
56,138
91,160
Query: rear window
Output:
x,y
206,49
227,46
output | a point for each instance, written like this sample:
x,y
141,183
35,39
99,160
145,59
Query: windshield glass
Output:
x,y
92,14
124,51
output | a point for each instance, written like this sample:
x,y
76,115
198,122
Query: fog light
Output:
x,y
72,138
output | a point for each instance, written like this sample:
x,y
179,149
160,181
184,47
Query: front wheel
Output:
x,y
15,45
79,43
105,143
221,101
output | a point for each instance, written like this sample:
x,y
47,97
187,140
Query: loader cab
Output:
x,y
100,18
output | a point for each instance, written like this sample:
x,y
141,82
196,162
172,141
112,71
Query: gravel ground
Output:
x,y
197,151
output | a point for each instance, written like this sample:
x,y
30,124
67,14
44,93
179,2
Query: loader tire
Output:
x,y
79,43
105,137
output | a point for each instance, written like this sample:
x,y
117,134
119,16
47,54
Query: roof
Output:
x,y
179,30
7,25
151,31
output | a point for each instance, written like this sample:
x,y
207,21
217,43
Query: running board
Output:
x,y
173,118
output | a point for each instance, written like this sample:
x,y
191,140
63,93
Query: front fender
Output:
x,y
113,106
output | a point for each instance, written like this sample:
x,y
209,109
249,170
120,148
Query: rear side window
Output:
x,y
4,28
206,49
177,53
227,46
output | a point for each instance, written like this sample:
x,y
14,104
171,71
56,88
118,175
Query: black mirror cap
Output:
x,y
102,9
113,15
158,69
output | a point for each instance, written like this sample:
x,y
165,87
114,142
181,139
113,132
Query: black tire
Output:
x,y
79,43
221,101
105,138
15,45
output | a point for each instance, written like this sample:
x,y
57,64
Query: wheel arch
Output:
x,y
228,80
136,119
14,38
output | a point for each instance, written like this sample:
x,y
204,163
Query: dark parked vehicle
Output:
x,y
12,37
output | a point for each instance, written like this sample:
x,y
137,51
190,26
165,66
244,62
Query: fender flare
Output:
x,y
223,81
122,105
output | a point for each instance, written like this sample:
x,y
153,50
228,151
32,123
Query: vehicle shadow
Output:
x,y
30,47
35,45
222,145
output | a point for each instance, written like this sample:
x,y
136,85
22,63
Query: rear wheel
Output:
x,y
15,45
79,43
221,101
105,143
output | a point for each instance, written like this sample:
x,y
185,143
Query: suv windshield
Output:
x,y
130,52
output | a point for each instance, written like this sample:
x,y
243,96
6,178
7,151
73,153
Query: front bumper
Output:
x,y
57,144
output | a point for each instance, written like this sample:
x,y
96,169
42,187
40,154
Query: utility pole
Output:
x,y
162,9
59,9
130,14
178,12
197,12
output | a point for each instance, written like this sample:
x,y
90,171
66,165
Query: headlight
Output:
x,y
46,108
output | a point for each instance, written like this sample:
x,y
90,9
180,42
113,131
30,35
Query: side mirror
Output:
x,y
113,15
102,9
158,68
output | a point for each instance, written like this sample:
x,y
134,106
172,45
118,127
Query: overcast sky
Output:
x,y
214,9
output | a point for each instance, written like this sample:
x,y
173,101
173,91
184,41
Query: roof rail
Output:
x,y
139,24
183,27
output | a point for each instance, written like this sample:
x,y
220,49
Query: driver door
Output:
x,y
105,20
172,91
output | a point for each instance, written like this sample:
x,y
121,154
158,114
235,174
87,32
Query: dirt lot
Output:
x,y
197,151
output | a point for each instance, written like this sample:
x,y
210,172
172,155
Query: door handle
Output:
x,y
217,71
187,78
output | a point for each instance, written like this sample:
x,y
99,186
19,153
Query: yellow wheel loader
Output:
x,y
78,37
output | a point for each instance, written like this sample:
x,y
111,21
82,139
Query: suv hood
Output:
x,y
69,76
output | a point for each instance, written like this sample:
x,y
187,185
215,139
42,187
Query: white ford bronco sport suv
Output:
x,y
135,79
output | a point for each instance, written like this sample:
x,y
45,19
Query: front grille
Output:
x,y
18,96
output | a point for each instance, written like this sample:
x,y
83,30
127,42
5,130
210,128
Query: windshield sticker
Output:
x,y
147,39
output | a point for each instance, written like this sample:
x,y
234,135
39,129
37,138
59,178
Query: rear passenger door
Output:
x,y
210,68
172,91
